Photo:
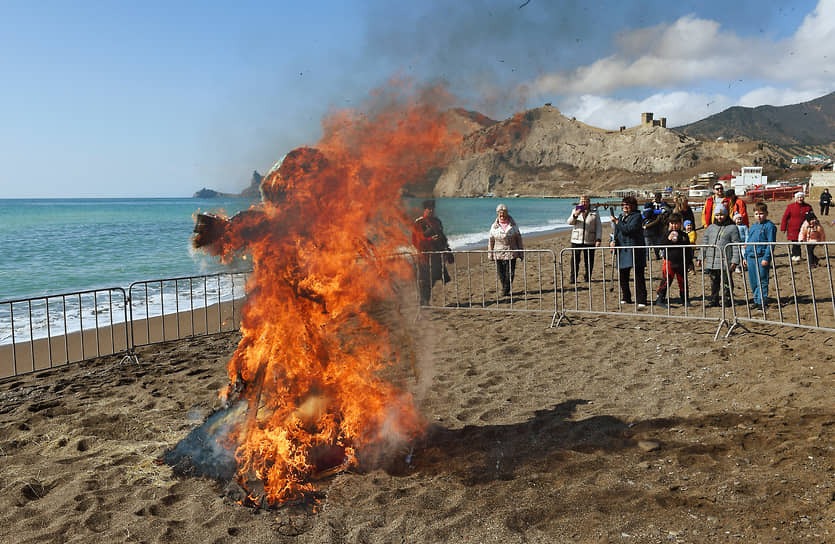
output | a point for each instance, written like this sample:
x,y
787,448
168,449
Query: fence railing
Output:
x,y
39,333
472,280
803,290
43,332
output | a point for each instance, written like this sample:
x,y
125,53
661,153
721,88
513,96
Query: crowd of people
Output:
x,y
669,232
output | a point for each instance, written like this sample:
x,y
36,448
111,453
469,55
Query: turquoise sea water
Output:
x,y
52,246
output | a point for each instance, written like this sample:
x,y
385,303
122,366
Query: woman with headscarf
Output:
x,y
504,247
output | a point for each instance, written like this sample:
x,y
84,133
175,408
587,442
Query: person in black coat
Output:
x,y
629,239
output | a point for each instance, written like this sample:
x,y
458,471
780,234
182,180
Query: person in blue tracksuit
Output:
x,y
758,258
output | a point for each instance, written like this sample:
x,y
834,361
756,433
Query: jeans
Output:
x,y
758,278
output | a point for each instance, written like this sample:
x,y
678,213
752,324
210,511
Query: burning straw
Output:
x,y
308,365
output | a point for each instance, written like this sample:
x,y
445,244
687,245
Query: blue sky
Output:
x,y
110,99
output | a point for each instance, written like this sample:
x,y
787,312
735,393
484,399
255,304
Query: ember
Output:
x,y
308,365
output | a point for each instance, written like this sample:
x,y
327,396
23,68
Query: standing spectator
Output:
x,y
717,236
737,206
758,257
656,226
717,199
825,201
587,231
677,257
428,237
811,232
793,218
629,234
505,243
683,208
743,231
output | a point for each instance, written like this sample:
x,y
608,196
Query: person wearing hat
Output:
x,y
717,236
428,238
793,219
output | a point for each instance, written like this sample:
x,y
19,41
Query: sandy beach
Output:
x,y
616,428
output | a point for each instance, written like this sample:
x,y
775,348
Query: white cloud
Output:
x,y
687,60
680,108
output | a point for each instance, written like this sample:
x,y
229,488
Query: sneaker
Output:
x,y
661,304
641,306
796,259
626,302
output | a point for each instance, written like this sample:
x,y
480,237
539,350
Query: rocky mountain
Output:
x,y
541,152
252,192
807,124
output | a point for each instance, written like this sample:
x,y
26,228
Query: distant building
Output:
x,y
647,120
810,160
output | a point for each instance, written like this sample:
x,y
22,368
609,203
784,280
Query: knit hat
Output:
x,y
648,206
799,194
737,215
688,223
720,209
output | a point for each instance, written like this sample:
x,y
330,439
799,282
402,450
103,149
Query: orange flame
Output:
x,y
310,358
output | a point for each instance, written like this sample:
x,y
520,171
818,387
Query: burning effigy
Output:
x,y
305,394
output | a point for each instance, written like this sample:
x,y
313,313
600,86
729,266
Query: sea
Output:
x,y
58,246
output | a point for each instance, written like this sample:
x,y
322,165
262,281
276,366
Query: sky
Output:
x,y
111,98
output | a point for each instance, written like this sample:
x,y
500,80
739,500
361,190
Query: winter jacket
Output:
x,y
716,238
586,230
793,218
761,232
811,234
678,252
503,243
707,211
629,232
739,208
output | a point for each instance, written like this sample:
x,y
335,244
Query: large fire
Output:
x,y
321,243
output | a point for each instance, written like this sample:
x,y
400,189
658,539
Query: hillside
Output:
x,y
541,152
808,124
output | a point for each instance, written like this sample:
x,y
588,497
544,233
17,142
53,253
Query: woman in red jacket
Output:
x,y
793,218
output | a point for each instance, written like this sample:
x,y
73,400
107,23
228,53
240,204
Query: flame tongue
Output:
x,y
311,352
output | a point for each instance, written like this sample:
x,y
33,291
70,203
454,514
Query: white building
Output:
x,y
748,178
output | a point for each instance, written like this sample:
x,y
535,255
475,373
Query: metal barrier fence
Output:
x,y
40,333
185,307
43,332
804,293
473,281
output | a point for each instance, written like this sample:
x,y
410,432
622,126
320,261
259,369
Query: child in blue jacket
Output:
x,y
758,257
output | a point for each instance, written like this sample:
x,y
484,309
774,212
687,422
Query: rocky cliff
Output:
x,y
541,152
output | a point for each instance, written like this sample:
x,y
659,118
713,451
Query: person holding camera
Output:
x,y
586,232
504,245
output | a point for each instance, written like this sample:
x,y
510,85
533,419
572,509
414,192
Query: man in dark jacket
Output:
x,y
825,202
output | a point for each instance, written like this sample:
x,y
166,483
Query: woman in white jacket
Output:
x,y
587,231
505,240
